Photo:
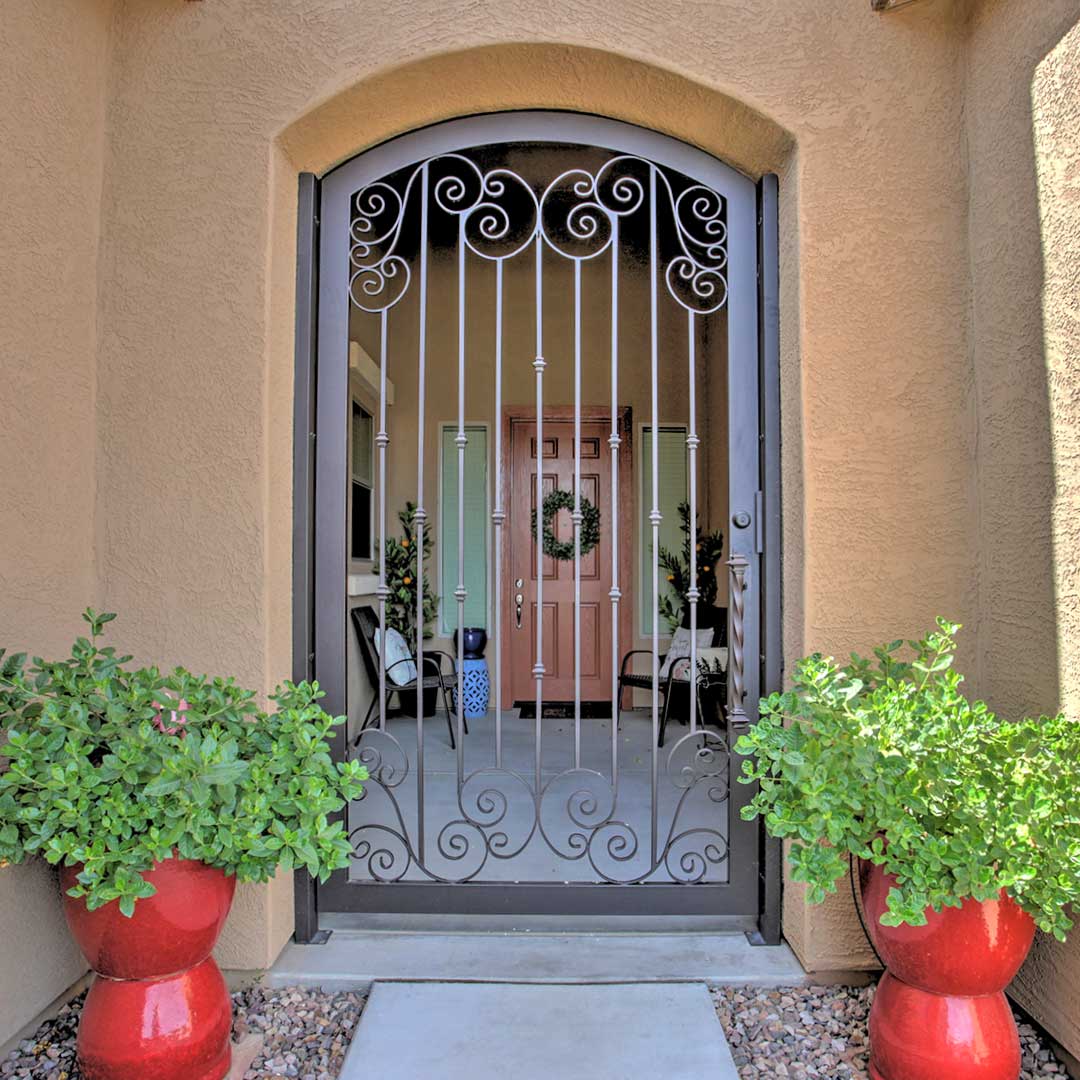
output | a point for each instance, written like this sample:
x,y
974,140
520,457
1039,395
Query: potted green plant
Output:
x,y
967,828
675,566
154,793
403,560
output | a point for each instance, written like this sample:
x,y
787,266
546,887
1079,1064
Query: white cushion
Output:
x,y
680,647
396,649
709,656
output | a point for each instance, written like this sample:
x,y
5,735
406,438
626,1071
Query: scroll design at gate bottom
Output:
x,y
573,814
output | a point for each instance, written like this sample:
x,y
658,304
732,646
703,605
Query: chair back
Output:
x,y
366,623
720,628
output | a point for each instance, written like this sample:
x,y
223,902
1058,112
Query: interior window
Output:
x,y
360,511
475,522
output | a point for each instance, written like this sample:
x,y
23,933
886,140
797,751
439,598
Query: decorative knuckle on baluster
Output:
x,y
382,440
539,364
655,517
461,440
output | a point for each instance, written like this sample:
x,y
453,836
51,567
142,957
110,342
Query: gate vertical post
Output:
x,y
303,580
770,877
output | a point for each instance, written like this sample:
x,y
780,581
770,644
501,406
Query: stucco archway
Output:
x,y
553,77
497,78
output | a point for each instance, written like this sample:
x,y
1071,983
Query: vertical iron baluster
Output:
x,y
654,513
576,515
382,440
692,593
461,441
613,442
498,515
538,618
421,514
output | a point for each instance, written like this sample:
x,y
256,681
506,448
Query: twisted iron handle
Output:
x,y
737,567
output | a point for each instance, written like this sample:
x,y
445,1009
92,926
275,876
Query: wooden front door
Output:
x,y
519,637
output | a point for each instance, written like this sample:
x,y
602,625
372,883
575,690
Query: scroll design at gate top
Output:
x,y
575,215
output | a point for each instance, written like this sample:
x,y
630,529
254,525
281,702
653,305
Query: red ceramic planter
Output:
x,y
159,1008
940,1010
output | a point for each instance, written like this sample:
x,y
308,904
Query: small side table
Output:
x,y
476,684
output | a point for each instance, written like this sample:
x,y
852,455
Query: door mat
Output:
x,y
564,710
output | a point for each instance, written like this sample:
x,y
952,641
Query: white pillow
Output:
x,y
396,649
709,656
680,647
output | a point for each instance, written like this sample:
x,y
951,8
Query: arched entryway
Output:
x,y
506,312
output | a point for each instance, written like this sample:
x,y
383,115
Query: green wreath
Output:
x,y
589,532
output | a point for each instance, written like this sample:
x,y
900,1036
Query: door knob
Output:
x,y
518,601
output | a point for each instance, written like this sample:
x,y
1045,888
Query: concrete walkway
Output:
x,y
470,1031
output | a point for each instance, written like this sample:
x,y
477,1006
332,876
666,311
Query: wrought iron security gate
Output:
x,y
702,237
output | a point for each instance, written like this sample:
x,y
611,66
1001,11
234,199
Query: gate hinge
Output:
x,y
759,521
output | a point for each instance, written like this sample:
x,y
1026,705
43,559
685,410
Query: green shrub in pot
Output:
x,y
887,760
113,769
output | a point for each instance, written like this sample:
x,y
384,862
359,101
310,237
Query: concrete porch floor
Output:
x,y
358,958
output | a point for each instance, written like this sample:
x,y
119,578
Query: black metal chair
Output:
x,y
366,622
669,686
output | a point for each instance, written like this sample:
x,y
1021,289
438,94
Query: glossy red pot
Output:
x,y
171,931
918,1035
939,1010
974,949
175,1028
159,1008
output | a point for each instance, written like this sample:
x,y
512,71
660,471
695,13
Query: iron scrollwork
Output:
x,y
499,216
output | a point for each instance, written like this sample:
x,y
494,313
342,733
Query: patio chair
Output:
x,y
669,686
366,622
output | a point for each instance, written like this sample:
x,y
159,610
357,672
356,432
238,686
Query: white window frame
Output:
x,y
644,580
361,567
447,618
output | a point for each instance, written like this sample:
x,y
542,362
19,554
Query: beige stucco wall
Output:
x,y
205,224
1024,144
905,351
52,85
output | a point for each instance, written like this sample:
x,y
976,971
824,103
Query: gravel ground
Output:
x,y
820,1031
306,1034
798,1032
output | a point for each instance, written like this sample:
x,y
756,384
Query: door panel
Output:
x,y
595,576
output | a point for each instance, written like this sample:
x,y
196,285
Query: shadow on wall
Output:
x,y
1025,257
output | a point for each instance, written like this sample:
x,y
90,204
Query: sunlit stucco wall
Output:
x,y
1023,135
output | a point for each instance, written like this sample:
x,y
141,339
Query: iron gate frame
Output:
x,y
319,644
